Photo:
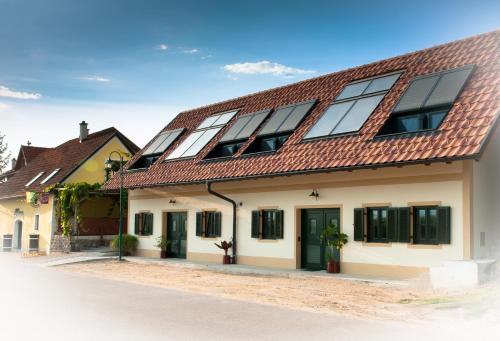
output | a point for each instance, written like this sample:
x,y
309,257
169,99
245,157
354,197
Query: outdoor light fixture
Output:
x,y
172,201
109,165
315,194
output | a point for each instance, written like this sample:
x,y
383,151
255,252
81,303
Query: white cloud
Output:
x,y
96,79
191,51
162,47
265,67
6,92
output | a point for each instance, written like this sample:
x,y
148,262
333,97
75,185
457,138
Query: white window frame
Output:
x,y
38,176
54,172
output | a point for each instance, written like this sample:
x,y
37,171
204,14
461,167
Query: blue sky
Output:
x,y
135,64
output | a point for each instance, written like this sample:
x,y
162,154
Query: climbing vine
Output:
x,y
69,197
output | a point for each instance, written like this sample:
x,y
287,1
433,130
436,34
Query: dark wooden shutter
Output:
x,y
392,224
137,226
217,224
149,224
199,221
279,224
359,222
444,224
255,224
404,224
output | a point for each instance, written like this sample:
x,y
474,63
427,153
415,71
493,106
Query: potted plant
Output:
x,y
225,246
334,240
163,243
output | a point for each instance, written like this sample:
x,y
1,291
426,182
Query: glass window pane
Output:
x,y
188,142
432,224
156,143
407,124
353,90
382,83
206,137
252,125
422,223
416,93
224,118
172,136
436,119
208,122
448,87
267,145
278,117
358,114
329,120
295,117
236,128
383,224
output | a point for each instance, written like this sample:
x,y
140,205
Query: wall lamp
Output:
x,y
314,194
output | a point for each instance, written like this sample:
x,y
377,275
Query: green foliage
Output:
x,y
116,202
69,197
129,244
162,243
4,156
335,240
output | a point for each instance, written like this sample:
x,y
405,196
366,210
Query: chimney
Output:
x,y
84,131
14,161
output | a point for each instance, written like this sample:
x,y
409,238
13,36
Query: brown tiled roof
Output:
x,y
27,154
67,156
460,136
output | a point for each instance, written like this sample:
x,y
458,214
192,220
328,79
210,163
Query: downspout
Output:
x,y
218,195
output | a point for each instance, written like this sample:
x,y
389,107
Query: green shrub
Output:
x,y
129,244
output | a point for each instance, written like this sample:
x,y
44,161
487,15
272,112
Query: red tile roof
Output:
x,y
67,156
27,154
461,135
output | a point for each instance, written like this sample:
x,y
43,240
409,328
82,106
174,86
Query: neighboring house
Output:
x,y
400,154
78,160
25,156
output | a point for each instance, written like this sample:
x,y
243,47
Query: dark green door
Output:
x,y
312,246
176,233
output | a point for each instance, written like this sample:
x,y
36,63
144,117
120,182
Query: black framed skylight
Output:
x,y
352,107
245,126
203,134
426,101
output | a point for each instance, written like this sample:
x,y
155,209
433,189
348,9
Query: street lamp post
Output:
x,y
109,165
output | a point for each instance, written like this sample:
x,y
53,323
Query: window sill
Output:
x,y
208,238
267,240
377,244
143,237
425,246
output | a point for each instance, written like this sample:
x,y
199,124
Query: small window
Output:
x,y
50,176
35,179
209,224
143,224
36,222
378,225
267,224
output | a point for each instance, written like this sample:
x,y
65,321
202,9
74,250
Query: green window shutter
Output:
x,y
392,224
217,224
199,221
359,222
404,224
137,226
444,224
280,224
148,230
255,224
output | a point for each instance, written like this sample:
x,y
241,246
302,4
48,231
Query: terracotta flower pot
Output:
x,y
226,259
333,267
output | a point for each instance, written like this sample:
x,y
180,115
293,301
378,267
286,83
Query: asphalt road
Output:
x,y
46,304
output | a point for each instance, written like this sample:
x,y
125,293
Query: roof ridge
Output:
x,y
239,98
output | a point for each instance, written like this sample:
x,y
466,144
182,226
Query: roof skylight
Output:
x,y
199,138
34,179
163,141
54,172
353,106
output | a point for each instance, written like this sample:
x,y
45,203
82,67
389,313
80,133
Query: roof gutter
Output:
x,y
220,196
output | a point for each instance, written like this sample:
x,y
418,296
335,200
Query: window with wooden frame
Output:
x,y
377,225
267,224
431,225
382,224
209,224
143,224
36,222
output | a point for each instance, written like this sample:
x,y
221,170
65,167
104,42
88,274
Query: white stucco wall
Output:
x,y
449,193
486,202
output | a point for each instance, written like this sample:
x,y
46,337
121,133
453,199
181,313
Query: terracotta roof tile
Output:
x,y
461,135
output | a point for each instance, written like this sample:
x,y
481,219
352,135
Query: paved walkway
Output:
x,y
239,269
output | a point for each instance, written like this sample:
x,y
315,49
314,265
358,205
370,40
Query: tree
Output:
x,y
4,156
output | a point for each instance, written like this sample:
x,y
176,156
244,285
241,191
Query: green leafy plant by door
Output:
x,y
335,241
